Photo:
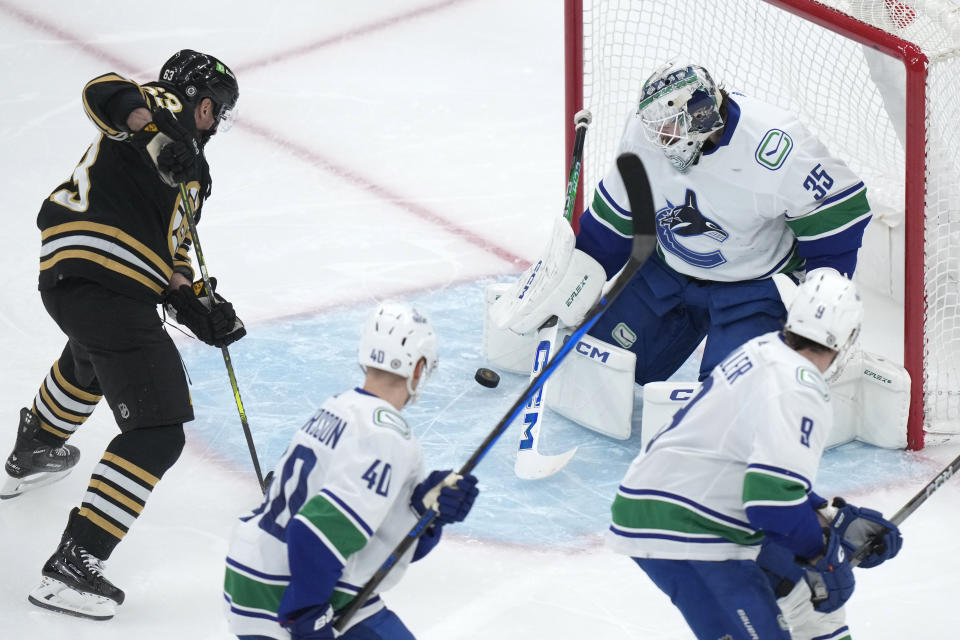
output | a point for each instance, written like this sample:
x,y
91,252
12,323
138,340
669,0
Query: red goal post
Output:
x,y
877,80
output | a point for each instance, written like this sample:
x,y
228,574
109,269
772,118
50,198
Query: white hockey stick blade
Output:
x,y
533,465
530,463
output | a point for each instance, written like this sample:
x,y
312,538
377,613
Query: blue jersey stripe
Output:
x,y
254,572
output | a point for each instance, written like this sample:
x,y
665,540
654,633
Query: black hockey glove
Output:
x,y
172,149
180,158
216,324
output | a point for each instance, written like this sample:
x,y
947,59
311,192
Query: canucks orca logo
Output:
x,y
685,221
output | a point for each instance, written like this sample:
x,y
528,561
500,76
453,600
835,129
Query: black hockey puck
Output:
x,y
486,377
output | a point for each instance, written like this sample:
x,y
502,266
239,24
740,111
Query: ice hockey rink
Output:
x,y
405,149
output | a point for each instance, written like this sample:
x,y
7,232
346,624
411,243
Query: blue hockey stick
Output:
x,y
644,243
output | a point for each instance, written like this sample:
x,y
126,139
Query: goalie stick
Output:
x,y
644,242
912,505
202,264
530,463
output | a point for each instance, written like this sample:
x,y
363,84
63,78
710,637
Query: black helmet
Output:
x,y
198,75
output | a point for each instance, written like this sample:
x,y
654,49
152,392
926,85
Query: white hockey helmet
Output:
x,y
395,338
679,109
827,310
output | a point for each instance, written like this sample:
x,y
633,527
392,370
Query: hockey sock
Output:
x,y
121,483
63,403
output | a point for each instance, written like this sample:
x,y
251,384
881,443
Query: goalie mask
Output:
x,y
679,109
828,311
395,338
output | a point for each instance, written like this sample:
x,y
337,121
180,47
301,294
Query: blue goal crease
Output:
x,y
286,370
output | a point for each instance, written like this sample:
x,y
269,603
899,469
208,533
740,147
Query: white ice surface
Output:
x,y
384,148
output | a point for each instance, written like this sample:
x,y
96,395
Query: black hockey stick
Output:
x,y
191,223
912,505
644,242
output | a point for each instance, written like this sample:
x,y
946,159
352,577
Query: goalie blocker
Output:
x,y
595,387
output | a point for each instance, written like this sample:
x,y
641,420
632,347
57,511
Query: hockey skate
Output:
x,y
73,583
34,463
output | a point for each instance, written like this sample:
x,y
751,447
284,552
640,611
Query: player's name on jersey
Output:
x,y
325,427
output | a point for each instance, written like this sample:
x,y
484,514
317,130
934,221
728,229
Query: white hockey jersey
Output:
x,y
752,435
348,473
742,210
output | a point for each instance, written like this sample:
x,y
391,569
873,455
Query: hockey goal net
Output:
x,y
879,83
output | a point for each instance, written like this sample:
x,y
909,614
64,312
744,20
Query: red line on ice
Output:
x,y
345,173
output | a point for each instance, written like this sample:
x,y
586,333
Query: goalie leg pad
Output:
x,y
594,387
871,402
502,348
660,401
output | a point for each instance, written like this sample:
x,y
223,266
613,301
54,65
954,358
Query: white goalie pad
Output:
x,y
503,348
594,387
660,401
565,282
870,401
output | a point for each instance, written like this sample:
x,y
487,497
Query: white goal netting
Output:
x,y
854,97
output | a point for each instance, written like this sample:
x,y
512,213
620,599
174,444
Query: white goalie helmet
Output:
x,y
679,109
827,310
395,337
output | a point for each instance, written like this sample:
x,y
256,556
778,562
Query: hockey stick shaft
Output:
x,y
202,264
530,463
580,122
912,505
644,243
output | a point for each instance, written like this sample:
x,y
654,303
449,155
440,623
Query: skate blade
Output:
x,y
13,487
56,596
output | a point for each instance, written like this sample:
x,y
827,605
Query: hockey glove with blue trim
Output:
x,y
447,493
856,526
830,578
315,623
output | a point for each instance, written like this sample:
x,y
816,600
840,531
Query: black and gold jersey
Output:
x,y
115,221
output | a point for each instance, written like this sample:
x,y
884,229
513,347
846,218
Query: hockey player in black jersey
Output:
x,y
114,245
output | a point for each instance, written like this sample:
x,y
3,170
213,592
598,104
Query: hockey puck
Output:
x,y
486,377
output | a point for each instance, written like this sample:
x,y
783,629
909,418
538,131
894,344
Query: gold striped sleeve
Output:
x,y
93,112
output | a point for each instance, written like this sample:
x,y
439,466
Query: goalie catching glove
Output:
x,y
170,147
565,282
216,324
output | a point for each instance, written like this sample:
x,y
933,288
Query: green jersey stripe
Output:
x,y
338,531
341,599
763,489
251,593
609,216
831,219
667,517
